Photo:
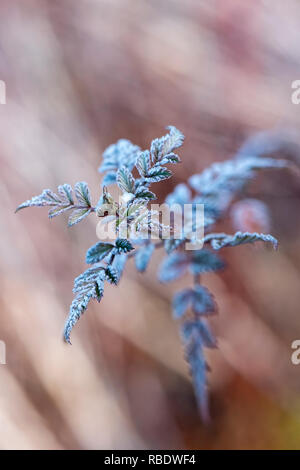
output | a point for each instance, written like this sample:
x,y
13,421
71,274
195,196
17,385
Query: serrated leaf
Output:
x,y
112,275
181,302
201,328
123,245
173,267
166,144
77,216
199,299
204,261
203,302
194,354
47,198
143,163
90,276
220,240
119,264
125,180
173,140
143,256
170,158
155,150
58,210
98,252
144,193
158,173
136,206
221,182
89,285
122,153
109,178
83,194
61,202
66,194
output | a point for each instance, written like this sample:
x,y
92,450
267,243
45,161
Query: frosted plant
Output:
x,y
130,219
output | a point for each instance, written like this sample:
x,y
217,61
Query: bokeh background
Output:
x,y
79,76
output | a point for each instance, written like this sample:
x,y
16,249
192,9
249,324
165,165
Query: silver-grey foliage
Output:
x,y
216,187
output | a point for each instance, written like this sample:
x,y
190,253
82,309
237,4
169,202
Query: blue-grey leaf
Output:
x,y
123,245
58,210
173,267
143,193
63,202
199,299
47,198
181,302
118,265
204,261
220,240
171,244
83,194
200,328
166,144
123,153
125,180
158,173
143,163
170,158
181,195
194,354
173,141
98,252
222,181
77,216
66,194
109,178
112,274
89,285
143,256
203,302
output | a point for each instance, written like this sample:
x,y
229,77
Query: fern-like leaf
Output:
x,y
165,145
118,265
143,256
89,285
220,240
181,195
123,246
112,275
216,187
199,299
158,173
204,261
125,180
77,216
47,198
98,252
173,267
63,202
123,153
143,192
83,194
194,354
143,163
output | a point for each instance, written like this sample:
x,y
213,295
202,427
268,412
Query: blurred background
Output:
x,y
79,76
